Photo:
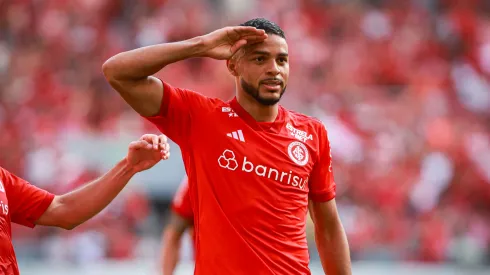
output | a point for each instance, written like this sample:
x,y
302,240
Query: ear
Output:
x,y
231,65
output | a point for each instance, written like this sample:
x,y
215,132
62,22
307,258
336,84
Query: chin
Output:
x,y
265,93
271,94
270,99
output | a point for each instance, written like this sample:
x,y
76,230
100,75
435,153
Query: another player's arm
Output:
x,y
74,208
130,73
171,241
330,238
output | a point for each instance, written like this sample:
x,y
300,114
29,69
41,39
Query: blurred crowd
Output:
x,y
402,86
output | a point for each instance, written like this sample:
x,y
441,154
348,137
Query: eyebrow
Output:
x,y
268,53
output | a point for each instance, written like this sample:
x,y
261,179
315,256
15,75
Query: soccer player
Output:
x,y
28,205
181,220
253,165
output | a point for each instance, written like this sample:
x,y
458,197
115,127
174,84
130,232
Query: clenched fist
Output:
x,y
147,151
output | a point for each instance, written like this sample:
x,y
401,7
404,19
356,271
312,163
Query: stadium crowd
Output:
x,y
402,86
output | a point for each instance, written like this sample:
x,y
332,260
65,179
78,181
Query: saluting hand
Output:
x,y
224,43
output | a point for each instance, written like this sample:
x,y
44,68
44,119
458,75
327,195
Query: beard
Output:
x,y
254,93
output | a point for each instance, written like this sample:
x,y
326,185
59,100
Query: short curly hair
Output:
x,y
263,24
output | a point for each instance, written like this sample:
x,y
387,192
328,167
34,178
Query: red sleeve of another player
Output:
x,y
181,204
26,202
322,184
174,118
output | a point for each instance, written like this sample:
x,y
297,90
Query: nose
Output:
x,y
273,68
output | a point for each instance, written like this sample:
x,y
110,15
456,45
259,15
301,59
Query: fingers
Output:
x,y
150,138
150,141
155,141
165,154
164,147
159,142
240,43
250,34
163,142
140,144
252,39
247,40
243,31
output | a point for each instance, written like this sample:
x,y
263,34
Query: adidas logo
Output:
x,y
238,135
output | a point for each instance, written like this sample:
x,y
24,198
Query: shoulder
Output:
x,y
189,96
5,176
10,181
3,172
219,108
312,125
205,103
304,119
3,179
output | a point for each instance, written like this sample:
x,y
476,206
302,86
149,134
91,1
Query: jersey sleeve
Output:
x,y
177,107
181,204
26,202
322,185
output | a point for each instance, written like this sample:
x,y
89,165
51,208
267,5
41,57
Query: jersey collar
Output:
x,y
274,127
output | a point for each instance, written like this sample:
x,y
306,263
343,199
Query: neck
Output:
x,y
259,112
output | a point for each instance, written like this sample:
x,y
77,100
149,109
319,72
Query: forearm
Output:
x,y
82,204
170,251
333,248
140,63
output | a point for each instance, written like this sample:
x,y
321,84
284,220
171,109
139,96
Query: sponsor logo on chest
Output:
x,y
229,160
298,134
230,111
3,200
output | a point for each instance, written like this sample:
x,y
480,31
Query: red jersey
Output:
x,y
249,182
181,203
21,203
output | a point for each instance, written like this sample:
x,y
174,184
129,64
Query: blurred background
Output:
x,y
403,87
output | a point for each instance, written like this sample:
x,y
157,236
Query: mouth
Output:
x,y
272,84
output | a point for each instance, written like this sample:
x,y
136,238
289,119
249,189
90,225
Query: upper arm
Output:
x,y
144,96
26,202
51,217
321,184
177,107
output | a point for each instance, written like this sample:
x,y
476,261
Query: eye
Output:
x,y
259,59
283,60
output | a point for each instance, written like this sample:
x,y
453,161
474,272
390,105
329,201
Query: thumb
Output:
x,y
240,43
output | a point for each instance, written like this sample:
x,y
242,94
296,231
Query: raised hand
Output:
x,y
224,43
147,151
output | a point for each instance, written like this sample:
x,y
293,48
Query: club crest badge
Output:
x,y
298,153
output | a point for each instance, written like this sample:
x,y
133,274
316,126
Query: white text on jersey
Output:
x,y
228,161
299,134
5,208
230,112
